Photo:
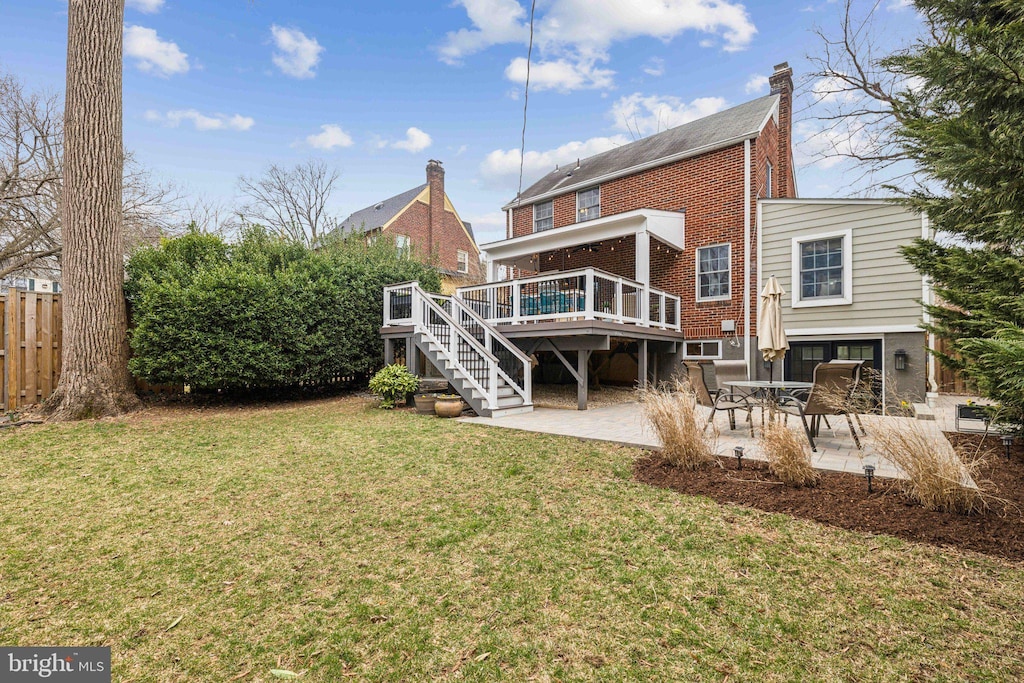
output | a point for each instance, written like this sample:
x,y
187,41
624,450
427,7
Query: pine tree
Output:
x,y
962,122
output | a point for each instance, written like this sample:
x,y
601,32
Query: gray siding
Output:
x,y
886,289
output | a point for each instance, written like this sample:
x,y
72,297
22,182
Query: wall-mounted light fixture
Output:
x,y
900,359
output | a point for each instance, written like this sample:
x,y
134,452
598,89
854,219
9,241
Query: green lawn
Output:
x,y
351,543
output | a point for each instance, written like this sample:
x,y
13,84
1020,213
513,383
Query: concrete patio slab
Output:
x,y
625,424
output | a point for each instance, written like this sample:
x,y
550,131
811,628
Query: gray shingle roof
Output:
x,y
376,215
738,122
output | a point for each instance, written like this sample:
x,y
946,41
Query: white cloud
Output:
x,y
174,118
415,141
297,54
487,227
642,115
655,67
756,84
330,136
829,146
588,27
147,6
494,21
561,75
833,89
898,5
153,55
500,168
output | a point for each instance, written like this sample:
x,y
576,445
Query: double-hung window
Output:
x,y
463,262
543,216
588,204
822,270
402,244
714,272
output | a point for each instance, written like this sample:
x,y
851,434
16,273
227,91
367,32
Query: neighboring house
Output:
x,y
850,294
423,222
651,254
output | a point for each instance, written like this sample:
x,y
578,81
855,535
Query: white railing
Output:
x,y
583,294
474,348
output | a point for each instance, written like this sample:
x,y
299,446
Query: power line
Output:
x,y
526,102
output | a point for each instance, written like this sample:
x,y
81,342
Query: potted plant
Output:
x,y
448,405
425,403
393,382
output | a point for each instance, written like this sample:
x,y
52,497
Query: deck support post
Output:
x,y
641,361
582,363
389,351
412,356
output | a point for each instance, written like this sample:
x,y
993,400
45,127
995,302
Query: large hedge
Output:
x,y
262,312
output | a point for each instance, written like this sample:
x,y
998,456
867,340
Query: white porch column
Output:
x,y
492,270
643,258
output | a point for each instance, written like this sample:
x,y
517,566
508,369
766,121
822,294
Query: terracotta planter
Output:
x,y
448,406
425,403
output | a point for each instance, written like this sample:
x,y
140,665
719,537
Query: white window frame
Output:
x,y
796,285
696,270
460,261
716,355
403,243
768,172
551,217
598,205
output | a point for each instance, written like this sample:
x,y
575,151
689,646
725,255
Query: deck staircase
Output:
x,y
490,373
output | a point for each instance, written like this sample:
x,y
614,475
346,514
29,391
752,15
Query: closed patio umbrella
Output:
x,y
771,334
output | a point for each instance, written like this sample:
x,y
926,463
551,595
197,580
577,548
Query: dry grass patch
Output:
x,y
938,477
788,457
672,410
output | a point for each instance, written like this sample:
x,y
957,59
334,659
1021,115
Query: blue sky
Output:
x,y
214,90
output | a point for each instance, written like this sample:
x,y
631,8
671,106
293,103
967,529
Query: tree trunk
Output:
x,y
94,378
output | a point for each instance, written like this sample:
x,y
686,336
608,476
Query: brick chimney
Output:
x,y
781,83
435,222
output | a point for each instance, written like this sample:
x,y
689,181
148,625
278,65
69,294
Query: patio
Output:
x,y
624,424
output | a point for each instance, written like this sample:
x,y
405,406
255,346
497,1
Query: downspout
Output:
x,y
746,254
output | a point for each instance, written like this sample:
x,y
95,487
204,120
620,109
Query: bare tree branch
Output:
x,y
291,202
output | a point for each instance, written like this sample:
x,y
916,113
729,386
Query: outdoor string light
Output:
x,y
869,472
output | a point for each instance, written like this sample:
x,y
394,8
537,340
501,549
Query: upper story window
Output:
x,y
543,216
714,272
402,244
588,204
768,180
822,270
463,264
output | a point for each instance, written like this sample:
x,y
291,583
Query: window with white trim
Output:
x,y
822,270
588,204
768,180
402,244
463,266
714,272
543,216
702,349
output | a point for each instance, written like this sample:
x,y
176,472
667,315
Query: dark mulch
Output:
x,y
842,500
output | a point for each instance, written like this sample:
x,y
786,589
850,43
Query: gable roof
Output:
x,y
377,215
703,135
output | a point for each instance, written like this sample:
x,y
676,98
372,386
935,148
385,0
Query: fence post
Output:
x,y
12,346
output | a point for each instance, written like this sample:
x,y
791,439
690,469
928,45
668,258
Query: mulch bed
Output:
x,y
842,500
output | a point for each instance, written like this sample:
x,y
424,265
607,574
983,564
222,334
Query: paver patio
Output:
x,y
624,423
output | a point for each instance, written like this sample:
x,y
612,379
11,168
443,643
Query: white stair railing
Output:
x,y
473,358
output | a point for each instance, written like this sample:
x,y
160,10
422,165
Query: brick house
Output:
x,y
625,264
424,223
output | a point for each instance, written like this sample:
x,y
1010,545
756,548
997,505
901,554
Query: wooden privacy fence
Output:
x,y
30,323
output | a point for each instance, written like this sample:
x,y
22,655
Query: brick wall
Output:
x,y
449,238
710,189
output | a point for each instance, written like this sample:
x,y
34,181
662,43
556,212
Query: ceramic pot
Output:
x,y
425,403
448,406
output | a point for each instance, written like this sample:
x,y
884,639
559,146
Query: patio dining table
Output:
x,y
768,391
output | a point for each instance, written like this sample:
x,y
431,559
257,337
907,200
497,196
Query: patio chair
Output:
x,y
730,371
722,400
859,379
833,385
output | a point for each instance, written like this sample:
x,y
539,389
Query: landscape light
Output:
x,y
738,452
869,472
1007,442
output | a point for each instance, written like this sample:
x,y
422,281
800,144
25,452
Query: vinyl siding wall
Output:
x,y
886,289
